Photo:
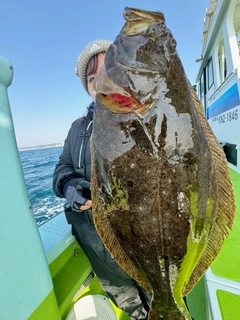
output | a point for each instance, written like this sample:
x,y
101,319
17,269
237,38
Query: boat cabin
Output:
x,y
219,75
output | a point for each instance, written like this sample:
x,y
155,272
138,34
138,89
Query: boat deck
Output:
x,y
71,273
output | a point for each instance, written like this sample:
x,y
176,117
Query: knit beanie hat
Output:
x,y
88,52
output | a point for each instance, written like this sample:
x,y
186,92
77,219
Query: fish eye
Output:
x,y
150,32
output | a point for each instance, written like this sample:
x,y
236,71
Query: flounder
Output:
x,y
162,195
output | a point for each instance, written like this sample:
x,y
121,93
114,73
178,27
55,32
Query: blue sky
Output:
x,y
43,39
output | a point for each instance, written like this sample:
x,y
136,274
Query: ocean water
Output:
x,y
38,166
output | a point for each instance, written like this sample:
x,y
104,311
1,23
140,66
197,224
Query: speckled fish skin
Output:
x,y
162,196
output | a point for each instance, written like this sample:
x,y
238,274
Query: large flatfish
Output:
x,y
162,196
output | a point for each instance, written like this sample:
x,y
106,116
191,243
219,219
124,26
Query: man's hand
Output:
x,y
87,205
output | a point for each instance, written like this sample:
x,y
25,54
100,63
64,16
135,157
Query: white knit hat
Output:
x,y
88,52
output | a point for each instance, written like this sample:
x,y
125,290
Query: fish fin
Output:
x,y
225,206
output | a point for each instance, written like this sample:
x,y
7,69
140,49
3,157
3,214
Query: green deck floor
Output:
x,y
229,258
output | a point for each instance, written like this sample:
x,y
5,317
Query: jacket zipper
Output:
x,y
80,161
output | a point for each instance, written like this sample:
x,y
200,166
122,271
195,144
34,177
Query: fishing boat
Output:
x,y
44,274
218,86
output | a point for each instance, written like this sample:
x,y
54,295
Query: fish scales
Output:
x,y
162,196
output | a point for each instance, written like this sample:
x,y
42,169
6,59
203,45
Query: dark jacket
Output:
x,y
75,162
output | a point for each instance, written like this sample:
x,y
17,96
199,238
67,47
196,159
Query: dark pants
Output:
x,y
119,286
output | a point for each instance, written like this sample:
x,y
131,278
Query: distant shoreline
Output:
x,y
52,145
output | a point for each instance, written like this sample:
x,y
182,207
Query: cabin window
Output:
x,y
236,22
231,153
210,73
201,86
222,62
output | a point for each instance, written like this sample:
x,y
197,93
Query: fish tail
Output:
x,y
169,312
177,315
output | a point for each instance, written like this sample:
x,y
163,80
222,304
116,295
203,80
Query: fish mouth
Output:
x,y
118,103
122,100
